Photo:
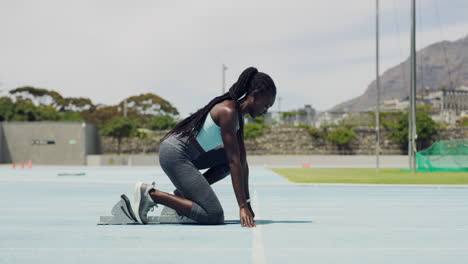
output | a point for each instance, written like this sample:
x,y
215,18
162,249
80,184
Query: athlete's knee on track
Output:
x,y
217,218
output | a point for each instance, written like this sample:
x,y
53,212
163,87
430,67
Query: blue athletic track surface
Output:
x,y
46,218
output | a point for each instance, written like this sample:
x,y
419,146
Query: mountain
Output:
x,y
431,72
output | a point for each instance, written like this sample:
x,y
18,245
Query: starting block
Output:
x,y
122,214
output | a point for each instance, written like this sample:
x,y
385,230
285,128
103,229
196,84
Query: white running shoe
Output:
x,y
143,202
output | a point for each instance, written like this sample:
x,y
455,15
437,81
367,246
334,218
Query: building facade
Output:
x,y
448,105
48,143
302,116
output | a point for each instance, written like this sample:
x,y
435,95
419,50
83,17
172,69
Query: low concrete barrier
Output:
x,y
314,161
122,160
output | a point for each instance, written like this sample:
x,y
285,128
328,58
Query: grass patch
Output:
x,y
366,175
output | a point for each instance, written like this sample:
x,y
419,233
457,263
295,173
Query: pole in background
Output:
x,y
125,108
377,111
280,121
223,71
412,111
279,104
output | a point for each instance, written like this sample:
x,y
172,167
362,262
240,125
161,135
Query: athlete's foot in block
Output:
x,y
143,202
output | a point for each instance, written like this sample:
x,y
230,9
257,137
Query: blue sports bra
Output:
x,y
209,136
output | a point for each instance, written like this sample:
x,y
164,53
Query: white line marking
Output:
x,y
130,249
236,249
258,251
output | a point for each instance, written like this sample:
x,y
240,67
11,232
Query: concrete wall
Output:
x,y
123,160
293,141
5,155
93,140
2,144
49,143
133,145
316,161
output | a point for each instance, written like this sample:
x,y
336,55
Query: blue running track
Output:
x,y
46,218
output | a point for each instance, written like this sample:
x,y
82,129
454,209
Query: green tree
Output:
x,y
119,128
252,130
463,121
41,96
143,107
255,127
143,133
76,104
149,104
388,119
162,122
101,115
46,113
426,128
70,116
341,137
7,109
25,110
314,132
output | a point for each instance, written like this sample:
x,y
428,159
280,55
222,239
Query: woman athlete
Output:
x,y
211,138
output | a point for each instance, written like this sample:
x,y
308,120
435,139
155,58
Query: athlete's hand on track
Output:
x,y
250,208
246,217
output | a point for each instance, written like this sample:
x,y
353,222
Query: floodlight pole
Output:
x,y
412,107
279,104
377,111
223,72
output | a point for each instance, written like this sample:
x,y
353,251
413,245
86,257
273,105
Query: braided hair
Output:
x,y
250,80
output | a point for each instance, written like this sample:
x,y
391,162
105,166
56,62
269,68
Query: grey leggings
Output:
x,y
181,161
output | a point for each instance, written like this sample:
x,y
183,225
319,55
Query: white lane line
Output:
x,y
129,249
372,249
258,251
235,249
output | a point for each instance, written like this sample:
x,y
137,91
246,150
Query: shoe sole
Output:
x,y
128,208
137,202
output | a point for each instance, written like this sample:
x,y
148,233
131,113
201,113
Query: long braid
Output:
x,y
191,125
239,89
249,80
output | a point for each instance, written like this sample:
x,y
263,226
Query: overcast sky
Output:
x,y
318,52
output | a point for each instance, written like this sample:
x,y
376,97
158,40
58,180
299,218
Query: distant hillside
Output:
x,y
431,72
